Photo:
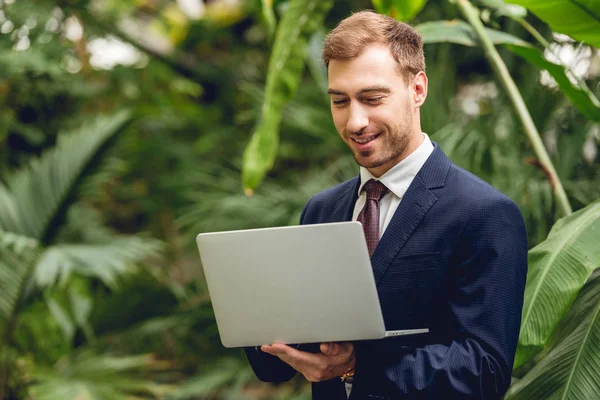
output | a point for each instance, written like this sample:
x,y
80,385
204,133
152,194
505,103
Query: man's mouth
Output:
x,y
365,139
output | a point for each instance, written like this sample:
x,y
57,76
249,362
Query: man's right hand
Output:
x,y
335,359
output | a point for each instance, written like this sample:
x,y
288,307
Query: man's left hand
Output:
x,y
334,360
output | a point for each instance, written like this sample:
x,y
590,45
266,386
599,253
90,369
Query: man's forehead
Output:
x,y
374,67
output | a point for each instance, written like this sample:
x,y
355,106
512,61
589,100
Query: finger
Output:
x,y
294,357
330,349
266,348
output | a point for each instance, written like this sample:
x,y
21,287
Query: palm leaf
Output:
x,y
228,372
571,368
104,261
97,377
16,260
36,197
218,204
558,268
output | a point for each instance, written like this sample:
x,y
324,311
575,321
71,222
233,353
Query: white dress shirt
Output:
x,y
397,180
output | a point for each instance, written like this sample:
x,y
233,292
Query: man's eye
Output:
x,y
374,100
339,102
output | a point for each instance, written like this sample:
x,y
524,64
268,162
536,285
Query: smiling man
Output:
x,y
449,252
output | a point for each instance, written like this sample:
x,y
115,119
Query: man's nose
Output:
x,y
357,120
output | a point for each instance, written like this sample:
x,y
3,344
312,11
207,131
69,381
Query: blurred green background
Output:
x,y
123,126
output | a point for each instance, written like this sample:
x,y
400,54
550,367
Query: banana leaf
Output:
x,y
558,268
579,19
402,10
459,32
300,21
268,18
571,368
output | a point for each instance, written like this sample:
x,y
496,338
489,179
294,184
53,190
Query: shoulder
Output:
x,y
487,206
323,203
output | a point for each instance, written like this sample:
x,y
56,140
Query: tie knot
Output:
x,y
375,190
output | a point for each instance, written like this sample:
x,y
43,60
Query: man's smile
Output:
x,y
362,140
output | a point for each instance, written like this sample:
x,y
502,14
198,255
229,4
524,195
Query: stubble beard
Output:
x,y
393,143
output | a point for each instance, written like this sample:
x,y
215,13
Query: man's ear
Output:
x,y
419,89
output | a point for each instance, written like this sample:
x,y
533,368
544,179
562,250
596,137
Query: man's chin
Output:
x,y
368,164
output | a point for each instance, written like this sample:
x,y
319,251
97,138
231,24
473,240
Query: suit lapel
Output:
x,y
344,206
416,202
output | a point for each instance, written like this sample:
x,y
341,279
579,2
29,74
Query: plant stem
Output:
x,y
574,78
472,15
538,36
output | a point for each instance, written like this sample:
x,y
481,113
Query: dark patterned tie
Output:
x,y
369,216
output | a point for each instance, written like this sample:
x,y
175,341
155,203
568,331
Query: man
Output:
x,y
449,252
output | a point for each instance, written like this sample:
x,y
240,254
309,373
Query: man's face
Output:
x,y
374,110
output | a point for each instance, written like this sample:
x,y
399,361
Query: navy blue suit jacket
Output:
x,y
453,259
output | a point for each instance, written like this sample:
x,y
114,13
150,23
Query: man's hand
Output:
x,y
334,360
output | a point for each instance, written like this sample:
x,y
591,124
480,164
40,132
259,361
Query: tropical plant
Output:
x,y
198,85
558,268
35,203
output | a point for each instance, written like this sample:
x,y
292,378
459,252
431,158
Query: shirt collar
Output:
x,y
398,178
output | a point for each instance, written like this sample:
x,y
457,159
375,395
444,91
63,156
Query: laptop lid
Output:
x,y
297,284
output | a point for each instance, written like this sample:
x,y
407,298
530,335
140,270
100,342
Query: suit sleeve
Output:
x,y
489,267
269,368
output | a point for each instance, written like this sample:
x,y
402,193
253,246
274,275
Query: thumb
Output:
x,y
325,348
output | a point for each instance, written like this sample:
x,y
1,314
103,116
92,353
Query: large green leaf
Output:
x,y
228,372
106,261
300,21
268,17
571,368
558,268
577,18
37,196
17,254
97,377
402,10
460,32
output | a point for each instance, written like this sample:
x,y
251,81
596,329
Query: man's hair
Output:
x,y
353,34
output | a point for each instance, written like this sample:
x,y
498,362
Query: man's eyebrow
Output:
x,y
369,89
335,91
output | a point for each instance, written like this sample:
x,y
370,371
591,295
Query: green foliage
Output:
x,y
34,203
36,197
268,17
558,268
85,375
402,10
579,19
233,373
79,305
285,68
460,32
571,365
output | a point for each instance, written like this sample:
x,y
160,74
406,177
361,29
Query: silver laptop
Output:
x,y
297,284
